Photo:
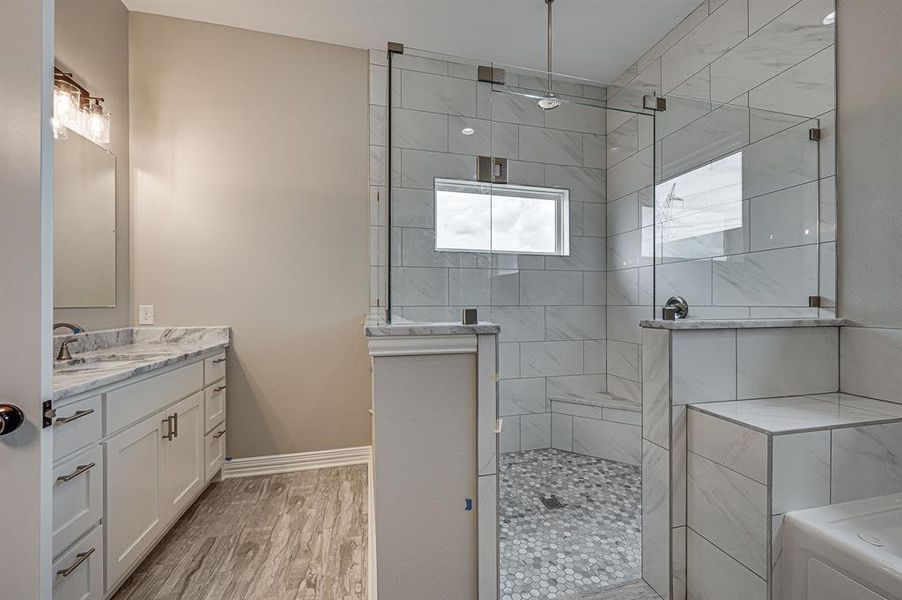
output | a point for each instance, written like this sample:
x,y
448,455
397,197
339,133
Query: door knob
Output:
x,y
11,416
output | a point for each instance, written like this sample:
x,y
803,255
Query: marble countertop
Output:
x,y
793,414
739,323
100,358
376,326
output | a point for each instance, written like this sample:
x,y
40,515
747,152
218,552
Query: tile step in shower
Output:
x,y
597,424
600,399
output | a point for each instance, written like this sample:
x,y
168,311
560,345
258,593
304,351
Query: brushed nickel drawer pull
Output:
x,y
175,430
79,558
78,471
74,416
168,435
216,390
218,434
218,360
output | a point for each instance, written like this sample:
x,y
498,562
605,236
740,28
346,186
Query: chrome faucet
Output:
x,y
64,353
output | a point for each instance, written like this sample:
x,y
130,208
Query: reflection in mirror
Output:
x,y
84,224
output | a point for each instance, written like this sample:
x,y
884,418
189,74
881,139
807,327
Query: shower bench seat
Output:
x,y
597,424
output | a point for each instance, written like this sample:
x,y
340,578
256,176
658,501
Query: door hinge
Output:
x,y
47,413
488,74
656,103
814,134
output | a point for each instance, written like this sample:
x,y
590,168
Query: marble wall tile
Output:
x,y
594,151
434,93
417,286
594,219
377,125
420,63
673,36
787,361
623,360
585,185
509,440
487,139
576,409
551,287
625,388
574,385
869,362
623,141
687,102
739,448
801,471
631,174
623,287
418,249
586,254
535,431
525,173
764,123
469,287
512,108
595,356
807,89
827,156
419,168
574,116
540,359
701,46
419,130
827,270
603,439
715,135
518,323
656,386
775,581
692,280
656,531
412,208
730,510
783,277
678,562
866,462
710,571
623,214
785,218
378,84
550,146
762,13
574,322
623,322
678,455
505,287
508,361
827,212
594,288
487,536
704,365
787,40
627,417
521,396
562,432
377,165
780,161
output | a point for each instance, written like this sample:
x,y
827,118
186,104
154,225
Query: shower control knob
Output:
x,y
11,417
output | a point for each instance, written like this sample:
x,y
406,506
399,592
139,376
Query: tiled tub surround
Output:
x,y
114,355
686,366
738,75
550,308
750,462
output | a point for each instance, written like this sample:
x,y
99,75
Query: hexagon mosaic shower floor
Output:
x,y
589,543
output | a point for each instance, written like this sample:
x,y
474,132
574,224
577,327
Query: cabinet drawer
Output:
x,y
76,425
214,368
134,402
214,453
78,573
77,496
214,405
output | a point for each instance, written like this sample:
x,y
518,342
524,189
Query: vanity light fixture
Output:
x,y
74,108
830,19
468,131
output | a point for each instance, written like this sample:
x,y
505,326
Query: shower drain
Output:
x,y
552,503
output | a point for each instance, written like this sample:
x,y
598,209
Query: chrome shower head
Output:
x,y
549,102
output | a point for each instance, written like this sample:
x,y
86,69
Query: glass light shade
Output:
x,y
95,124
66,103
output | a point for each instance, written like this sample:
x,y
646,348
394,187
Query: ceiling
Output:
x,y
595,39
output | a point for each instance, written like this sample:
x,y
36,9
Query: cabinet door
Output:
x,y
134,507
214,455
77,496
183,455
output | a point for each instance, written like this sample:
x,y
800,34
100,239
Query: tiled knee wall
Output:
x,y
688,366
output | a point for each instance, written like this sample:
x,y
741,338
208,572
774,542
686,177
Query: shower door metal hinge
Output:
x,y
489,74
814,134
814,301
396,47
491,169
656,103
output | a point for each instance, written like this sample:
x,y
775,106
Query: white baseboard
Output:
x,y
301,461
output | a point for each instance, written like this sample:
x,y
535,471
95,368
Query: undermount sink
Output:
x,y
105,361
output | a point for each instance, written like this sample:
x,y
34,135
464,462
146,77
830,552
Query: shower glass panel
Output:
x,y
739,202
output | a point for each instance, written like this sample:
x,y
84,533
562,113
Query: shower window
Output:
x,y
481,217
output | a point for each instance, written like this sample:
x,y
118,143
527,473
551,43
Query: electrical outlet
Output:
x,y
145,314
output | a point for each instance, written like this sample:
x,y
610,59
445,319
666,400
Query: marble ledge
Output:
x,y
740,323
378,327
102,358
796,414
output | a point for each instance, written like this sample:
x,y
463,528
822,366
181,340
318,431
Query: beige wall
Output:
x,y
92,42
869,144
250,208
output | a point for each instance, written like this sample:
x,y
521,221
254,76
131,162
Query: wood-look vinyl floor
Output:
x,y
292,536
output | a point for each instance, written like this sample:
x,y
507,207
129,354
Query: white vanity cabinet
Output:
x,y
131,458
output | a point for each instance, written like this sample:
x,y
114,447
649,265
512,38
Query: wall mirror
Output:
x,y
84,224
